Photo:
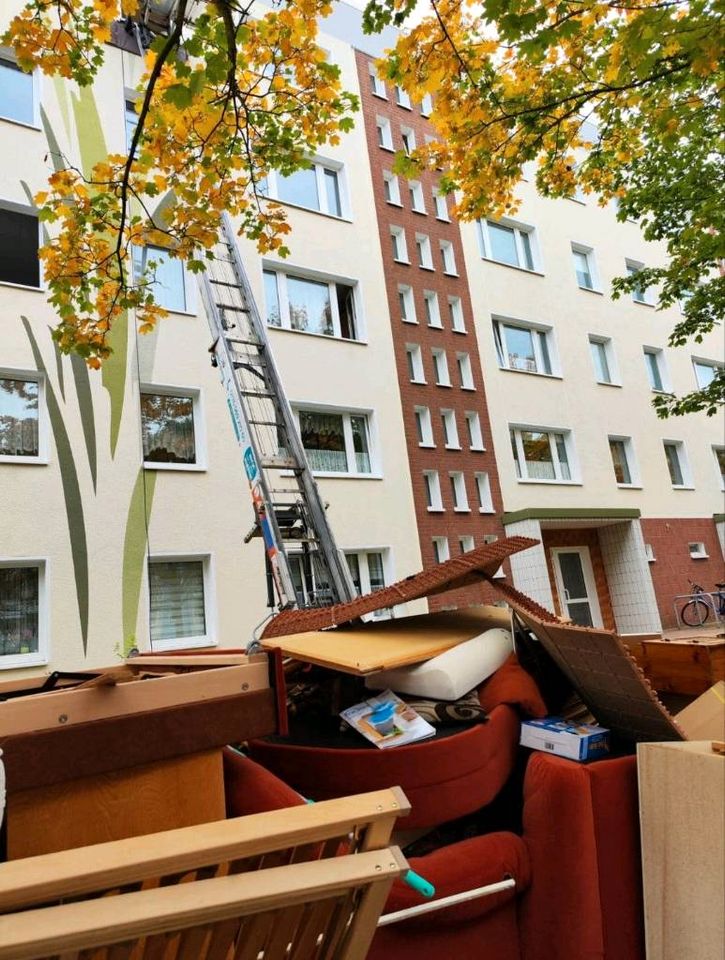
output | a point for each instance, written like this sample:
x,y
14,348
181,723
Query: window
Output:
x,y
401,97
705,372
603,358
466,543
649,553
325,307
385,133
585,267
415,363
391,188
455,311
165,275
473,423
376,84
483,491
441,551
450,430
426,105
522,347
400,248
433,491
507,243
424,427
432,310
654,362
317,187
367,571
131,120
458,489
677,463
639,294
541,455
408,138
179,589
18,94
698,551
425,257
441,205
622,454
23,613
406,301
440,366
417,200
170,424
23,437
19,241
336,442
719,454
465,373
448,258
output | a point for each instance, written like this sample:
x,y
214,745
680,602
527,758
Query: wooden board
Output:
x,y
684,666
682,797
391,643
129,803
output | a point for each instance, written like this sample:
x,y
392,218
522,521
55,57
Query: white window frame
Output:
x,y
646,300
700,551
284,273
450,430
432,309
434,500
402,98
425,253
210,638
417,198
406,300
649,553
441,205
414,356
658,355
407,134
483,491
186,279
704,362
558,479
593,270
448,258
632,465
466,543
424,426
465,371
426,105
319,165
400,245
441,549
475,434
459,492
377,85
607,345
25,209
391,189
385,134
361,554
7,54
440,367
518,229
372,437
455,311
197,403
129,97
43,458
537,331
13,661
720,476
683,461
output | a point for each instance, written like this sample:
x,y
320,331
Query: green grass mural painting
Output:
x,y
134,551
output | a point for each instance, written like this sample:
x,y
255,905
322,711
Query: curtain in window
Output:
x,y
18,418
176,590
537,454
19,600
619,461
323,438
168,429
360,444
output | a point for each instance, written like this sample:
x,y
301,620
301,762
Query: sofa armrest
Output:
x,y
581,828
249,788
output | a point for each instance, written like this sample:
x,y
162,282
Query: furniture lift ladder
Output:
x,y
289,512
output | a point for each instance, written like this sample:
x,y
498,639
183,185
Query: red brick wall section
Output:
x,y
578,537
447,523
669,539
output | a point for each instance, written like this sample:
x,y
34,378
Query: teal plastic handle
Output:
x,y
419,884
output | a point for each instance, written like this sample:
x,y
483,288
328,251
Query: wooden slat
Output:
x,y
222,939
73,872
316,920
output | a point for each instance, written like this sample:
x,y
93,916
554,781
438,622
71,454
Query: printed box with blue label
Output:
x,y
577,741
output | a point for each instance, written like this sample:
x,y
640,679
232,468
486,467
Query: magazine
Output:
x,y
387,721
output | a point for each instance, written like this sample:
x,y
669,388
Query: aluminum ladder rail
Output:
x,y
287,504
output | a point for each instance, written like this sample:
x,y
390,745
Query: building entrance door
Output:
x,y
576,586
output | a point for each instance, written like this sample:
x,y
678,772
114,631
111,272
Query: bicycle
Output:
x,y
697,610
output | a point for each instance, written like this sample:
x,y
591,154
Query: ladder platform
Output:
x,y
279,463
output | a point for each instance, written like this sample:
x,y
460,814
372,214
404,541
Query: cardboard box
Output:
x,y
704,718
577,741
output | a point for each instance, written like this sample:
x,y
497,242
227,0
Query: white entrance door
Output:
x,y
576,586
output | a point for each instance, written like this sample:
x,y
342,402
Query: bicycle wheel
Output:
x,y
695,613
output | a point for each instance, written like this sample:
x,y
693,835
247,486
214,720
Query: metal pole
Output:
x,y
474,894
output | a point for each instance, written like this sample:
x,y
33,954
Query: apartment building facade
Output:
x,y
453,383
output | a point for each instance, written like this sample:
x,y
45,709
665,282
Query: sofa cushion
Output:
x,y
249,788
511,684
